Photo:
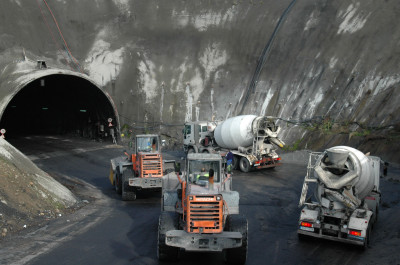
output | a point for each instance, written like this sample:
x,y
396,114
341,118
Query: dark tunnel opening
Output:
x,y
59,104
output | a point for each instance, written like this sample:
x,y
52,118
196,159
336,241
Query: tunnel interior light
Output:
x,y
13,106
82,110
45,108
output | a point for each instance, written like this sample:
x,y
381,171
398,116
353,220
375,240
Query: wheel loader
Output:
x,y
142,169
200,212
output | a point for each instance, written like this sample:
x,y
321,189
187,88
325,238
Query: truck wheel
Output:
x,y
168,221
118,182
237,223
235,162
244,164
127,193
367,237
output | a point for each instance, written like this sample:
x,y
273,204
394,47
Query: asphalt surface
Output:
x,y
111,231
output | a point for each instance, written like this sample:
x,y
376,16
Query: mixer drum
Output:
x,y
235,132
361,172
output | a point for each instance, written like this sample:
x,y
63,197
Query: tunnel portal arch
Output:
x,y
55,101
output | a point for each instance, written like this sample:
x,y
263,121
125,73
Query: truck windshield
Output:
x,y
147,144
199,171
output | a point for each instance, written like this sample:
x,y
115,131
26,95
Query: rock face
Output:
x,y
330,71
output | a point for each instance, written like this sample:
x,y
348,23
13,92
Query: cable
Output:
x,y
263,57
154,124
52,35
59,30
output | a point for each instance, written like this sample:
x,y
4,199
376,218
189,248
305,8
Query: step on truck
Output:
x,y
200,212
141,170
345,204
251,139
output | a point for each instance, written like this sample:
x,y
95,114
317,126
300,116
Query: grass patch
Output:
x,y
294,147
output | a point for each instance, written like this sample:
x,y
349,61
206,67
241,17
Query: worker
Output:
x,y
203,173
229,160
154,146
211,179
112,133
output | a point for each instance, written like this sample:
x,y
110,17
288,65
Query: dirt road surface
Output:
x,y
110,231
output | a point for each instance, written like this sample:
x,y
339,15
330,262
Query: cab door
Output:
x,y
188,134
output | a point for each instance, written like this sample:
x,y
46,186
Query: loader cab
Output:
x,y
147,143
199,166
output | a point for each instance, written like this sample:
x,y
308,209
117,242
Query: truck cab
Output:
x,y
194,133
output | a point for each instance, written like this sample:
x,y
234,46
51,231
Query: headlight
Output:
x,y
190,198
218,198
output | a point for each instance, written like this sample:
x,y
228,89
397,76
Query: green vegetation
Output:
x,y
126,130
294,147
364,132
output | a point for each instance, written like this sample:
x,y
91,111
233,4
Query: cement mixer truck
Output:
x,y
250,138
346,197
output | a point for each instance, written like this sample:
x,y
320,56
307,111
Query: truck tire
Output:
x,y
118,182
237,223
127,193
367,237
168,221
235,162
244,164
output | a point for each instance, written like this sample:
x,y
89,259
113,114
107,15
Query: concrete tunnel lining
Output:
x,y
25,87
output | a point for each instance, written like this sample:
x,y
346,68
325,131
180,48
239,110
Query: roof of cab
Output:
x,y
203,156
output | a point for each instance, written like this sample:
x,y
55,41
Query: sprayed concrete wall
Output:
x,y
331,72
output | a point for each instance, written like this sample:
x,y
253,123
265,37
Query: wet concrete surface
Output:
x,y
111,231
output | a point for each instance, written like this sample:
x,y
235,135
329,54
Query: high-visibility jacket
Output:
x,y
199,175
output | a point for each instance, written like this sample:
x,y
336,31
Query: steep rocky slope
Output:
x,y
330,71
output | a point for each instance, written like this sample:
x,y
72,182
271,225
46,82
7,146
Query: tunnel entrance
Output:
x,y
59,104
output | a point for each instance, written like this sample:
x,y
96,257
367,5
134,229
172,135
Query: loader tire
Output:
x,y
244,164
168,221
118,182
127,193
237,223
